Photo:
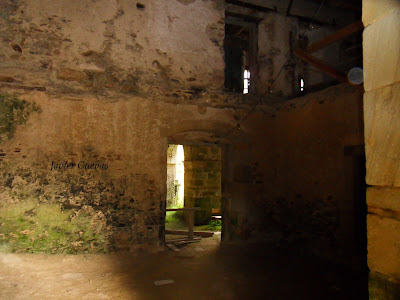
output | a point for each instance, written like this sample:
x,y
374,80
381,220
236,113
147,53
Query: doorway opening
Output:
x,y
175,176
193,191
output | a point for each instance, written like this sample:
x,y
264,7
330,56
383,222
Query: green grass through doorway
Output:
x,y
175,220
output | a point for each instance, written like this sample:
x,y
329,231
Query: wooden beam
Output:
x,y
191,224
236,21
253,53
196,233
249,5
172,247
288,8
184,209
240,31
187,242
338,35
243,17
356,5
321,65
196,238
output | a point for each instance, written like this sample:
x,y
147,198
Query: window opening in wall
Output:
x,y
301,84
240,48
246,81
193,200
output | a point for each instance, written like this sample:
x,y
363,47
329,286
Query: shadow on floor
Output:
x,y
210,270
204,270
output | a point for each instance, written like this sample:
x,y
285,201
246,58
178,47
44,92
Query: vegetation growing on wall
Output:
x,y
44,228
35,217
72,211
13,112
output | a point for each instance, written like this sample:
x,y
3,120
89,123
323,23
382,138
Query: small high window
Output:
x,y
246,81
240,49
301,84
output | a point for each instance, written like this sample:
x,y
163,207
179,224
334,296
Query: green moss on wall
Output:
x,y
13,112
30,226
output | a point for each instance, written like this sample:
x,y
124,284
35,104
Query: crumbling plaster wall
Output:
x,y
108,47
278,154
381,49
102,75
116,208
95,70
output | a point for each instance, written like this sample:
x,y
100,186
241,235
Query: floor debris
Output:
x,y
163,282
72,275
173,247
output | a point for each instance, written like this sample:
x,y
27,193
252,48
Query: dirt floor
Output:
x,y
204,270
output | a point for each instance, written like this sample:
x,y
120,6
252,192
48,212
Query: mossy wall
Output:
x,y
78,210
121,207
114,82
13,112
73,211
49,212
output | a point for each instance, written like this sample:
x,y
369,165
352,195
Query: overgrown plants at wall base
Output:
x,y
13,112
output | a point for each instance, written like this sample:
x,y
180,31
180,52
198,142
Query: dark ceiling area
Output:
x,y
340,22
329,11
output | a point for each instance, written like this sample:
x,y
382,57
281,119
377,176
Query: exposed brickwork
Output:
x,y
203,180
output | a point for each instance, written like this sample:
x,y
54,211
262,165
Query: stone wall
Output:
x,y
105,86
381,46
298,183
170,48
101,74
116,205
271,170
203,180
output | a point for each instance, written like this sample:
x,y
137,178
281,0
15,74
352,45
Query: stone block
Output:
x,y
215,202
198,165
381,51
384,245
382,136
373,10
386,198
197,182
208,193
6,79
214,175
213,182
204,216
200,176
189,201
71,74
188,164
129,85
383,287
213,165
